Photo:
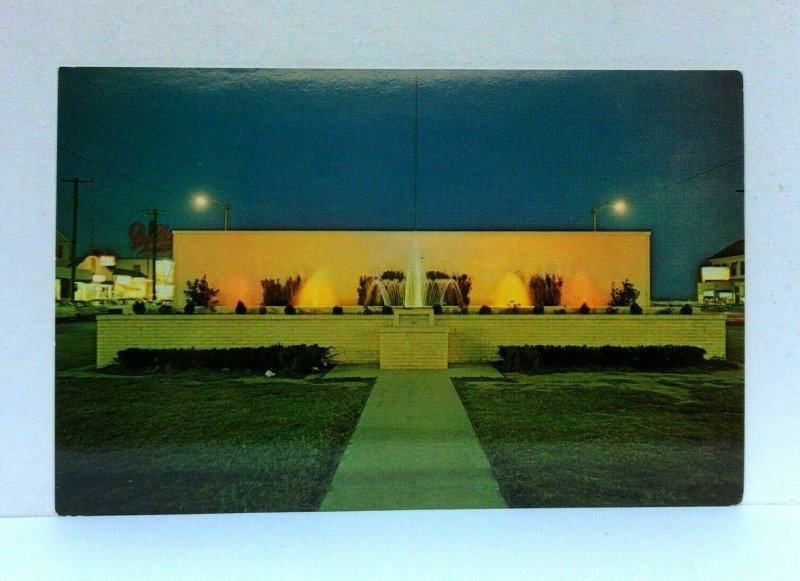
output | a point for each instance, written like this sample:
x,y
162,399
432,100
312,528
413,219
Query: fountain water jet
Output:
x,y
413,290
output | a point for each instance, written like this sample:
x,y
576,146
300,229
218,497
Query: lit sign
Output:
x,y
108,260
142,239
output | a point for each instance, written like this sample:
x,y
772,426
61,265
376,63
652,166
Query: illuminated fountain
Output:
x,y
412,289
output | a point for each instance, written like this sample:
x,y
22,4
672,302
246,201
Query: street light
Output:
x,y
619,207
201,202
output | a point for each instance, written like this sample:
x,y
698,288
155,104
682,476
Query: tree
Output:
x,y
276,293
201,293
546,290
624,296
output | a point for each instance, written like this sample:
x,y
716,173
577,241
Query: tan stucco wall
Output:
x,y
357,338
235,262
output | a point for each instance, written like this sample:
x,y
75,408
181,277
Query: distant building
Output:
x,y
722,278
63,271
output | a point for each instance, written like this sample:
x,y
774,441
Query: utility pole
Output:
x,y
154,233
416,153
76,184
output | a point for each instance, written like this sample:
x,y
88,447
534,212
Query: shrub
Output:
x,y
512,310
367,311
201,293
363,283
289,310
436,275
686,309
584,309
485,310
241,308
538,310
545,290
397,275
666,311
188,308
337,310
464,283
139,308
437,309
387,310
612,311
293,359
277,293
623,297
464,310
165,310
658,357
262,310
560,312
636,309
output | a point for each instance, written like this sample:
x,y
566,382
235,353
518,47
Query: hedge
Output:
x,y
528,358
278,358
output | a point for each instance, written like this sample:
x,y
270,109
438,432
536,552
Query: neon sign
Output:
x,y
142,239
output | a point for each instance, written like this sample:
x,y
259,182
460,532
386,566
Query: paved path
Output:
x,y
414,447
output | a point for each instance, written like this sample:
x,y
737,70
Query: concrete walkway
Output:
x,y
414,447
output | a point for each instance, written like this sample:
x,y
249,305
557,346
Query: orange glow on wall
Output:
x,y
511,290
331,262
316,291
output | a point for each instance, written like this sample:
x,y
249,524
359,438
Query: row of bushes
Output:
x,y
584,309
292,359
528,358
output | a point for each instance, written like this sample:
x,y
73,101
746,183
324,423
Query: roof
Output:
x,y
131,273
735,249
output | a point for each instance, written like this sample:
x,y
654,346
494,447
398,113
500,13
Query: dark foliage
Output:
x,y
139,308
363,283
612,310
279,294
545,290
665,311
560,312
686,309
584,309
636,309
337,310
485,310
387,310
279,358
397,275
464,310
464,283
436,275
188,308
437,309
241,308
165,310
538,310
528,358
201,293
289,310
623,297
262,310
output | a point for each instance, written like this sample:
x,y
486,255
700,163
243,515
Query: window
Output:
x,y
733,268
59,251
742,269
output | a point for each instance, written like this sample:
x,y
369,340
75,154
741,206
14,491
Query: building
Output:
x,y
722,277
63,270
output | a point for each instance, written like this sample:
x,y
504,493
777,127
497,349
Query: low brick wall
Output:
x,y
357,338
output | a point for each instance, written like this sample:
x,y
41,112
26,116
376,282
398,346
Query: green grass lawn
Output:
x,y
198,442
612,438
75,344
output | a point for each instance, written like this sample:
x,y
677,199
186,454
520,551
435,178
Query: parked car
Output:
x,y
66,310
85,309
107,306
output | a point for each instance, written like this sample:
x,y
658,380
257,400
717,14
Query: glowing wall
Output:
x,y
499,263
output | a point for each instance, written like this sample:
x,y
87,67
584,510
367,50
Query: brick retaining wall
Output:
x,y
357,338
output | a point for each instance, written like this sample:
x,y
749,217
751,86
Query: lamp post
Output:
x,y
201,202
618,206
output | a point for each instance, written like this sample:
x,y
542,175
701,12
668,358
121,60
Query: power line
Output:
x,y
684,180
116,172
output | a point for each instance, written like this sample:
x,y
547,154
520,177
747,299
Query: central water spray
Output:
x,y
414,278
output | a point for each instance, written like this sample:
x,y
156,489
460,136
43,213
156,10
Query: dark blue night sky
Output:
x,y
497,150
